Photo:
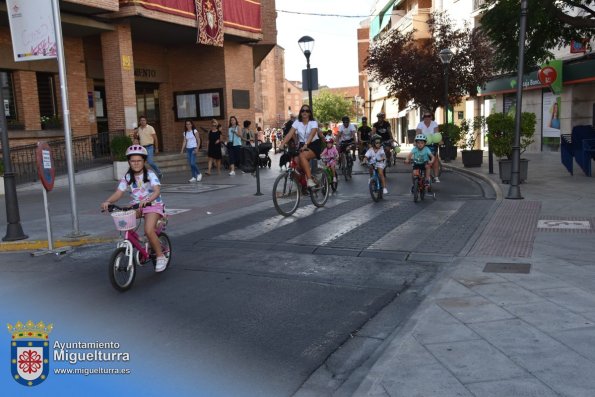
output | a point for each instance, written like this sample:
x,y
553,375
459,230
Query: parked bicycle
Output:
x,y
290,184
132,250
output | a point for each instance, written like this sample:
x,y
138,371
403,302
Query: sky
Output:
x,y
335,38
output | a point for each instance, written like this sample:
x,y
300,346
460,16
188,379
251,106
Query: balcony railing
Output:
x,y
87,152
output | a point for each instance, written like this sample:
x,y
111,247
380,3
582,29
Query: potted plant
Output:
x,y
471,130
451,135
118,146
50,122
501,138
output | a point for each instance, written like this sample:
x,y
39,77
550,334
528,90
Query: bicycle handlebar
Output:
x,y
112,207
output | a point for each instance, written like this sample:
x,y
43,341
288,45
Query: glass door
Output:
x,y
147,104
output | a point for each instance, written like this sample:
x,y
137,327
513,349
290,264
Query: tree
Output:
x,y
550,24
412,70
329,107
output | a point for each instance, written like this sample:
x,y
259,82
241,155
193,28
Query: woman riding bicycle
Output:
x,y
429,127
145,190
305,128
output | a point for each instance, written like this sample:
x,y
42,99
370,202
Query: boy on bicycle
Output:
x,y
377,158
329,155
145,190
422,158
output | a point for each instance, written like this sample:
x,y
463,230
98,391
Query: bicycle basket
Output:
x,y
124,220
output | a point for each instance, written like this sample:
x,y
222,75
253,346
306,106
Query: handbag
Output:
x,y
223,149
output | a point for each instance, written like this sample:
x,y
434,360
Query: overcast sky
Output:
x,y
335,45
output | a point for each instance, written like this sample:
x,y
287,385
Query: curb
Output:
x,y
16,246
487,179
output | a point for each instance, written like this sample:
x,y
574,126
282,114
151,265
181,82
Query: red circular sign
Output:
x,y
45,165
547,75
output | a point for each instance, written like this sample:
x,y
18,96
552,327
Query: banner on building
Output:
x,y
552,104
550,75
32,30
209,14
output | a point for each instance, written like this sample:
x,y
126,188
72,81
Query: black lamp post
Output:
x,y
306,44
370,101
514,192
445,57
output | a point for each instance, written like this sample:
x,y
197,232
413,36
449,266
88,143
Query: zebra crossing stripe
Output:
x,y
334,229
267,225
417,231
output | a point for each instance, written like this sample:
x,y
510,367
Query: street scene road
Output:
x,y
271,300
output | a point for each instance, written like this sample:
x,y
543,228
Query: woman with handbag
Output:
x,y
214,147
191,143
234,144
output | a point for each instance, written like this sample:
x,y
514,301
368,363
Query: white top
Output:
x,y
347,133
303,131
140,190
376,157
427,131
191,141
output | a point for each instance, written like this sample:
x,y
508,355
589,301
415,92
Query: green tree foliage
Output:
x,y
412,69
501,132
550,24
329,107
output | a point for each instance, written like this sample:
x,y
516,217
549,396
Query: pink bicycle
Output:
x,y
132,250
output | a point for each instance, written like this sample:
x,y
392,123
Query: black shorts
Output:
x,y
433,148
315,147
419,166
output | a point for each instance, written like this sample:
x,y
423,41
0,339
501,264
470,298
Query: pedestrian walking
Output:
x,y
214,147
148,138
191,144
234,144
247,135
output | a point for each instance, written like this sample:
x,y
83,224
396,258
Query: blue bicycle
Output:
x,y
375,185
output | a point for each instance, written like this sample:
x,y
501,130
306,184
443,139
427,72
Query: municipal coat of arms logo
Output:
x,y
29,347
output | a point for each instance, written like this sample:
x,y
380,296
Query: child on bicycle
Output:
x,y
145,190
376,157
329,155
422,158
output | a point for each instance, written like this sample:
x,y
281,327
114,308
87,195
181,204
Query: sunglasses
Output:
x,y
427,116
305,111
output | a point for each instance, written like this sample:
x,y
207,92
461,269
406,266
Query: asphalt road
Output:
x,y
257,304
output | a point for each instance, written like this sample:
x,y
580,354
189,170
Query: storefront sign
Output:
x,y
550,75
578,46
32,30
145,73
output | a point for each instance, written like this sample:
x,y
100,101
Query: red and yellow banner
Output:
x,y
210,18
238,14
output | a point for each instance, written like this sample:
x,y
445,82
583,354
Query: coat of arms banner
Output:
x,y
209,14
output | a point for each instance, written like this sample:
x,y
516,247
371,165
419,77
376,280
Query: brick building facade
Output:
x,y
125,58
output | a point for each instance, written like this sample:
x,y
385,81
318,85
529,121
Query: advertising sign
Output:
x,y
550,75
551,115
31,29
45,165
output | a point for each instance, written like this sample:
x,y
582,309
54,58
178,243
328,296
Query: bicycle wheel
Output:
x,y
374,192
349,167
343,160
416,190
165,248
286,194
119,275
422,190
331,179
319,194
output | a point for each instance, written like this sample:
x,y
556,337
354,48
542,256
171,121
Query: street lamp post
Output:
x,y
445,57
370,100
514,192
306,44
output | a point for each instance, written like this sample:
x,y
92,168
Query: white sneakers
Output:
x,y
385,191
161,264
199,178
193,179
311,183
232,173
436,180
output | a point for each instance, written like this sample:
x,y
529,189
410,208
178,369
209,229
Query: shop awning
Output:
x,y
392,108
377,108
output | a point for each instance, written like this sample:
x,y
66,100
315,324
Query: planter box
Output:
x,y
447,152
120,168
472,158
505,168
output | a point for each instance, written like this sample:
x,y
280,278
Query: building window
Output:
x,y
289,90
202,105
48,105
9,105
289,108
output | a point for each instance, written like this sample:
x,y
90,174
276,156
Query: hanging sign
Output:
x,y
550,75
32,30
45,165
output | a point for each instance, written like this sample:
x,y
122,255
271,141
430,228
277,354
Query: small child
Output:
x,y
376,157
422,157
329,155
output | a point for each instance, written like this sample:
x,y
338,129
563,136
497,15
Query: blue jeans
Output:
x,y
191,156
150,153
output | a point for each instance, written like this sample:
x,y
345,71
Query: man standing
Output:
x,y
148,138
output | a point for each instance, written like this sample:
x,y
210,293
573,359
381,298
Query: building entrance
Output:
x,y
147,104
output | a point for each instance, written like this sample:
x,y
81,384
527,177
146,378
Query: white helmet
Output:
x,y
421,137
137,149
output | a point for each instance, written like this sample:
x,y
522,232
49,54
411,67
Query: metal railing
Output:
x,y
87,152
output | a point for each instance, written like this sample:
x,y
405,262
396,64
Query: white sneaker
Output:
x,y
334,179
161,264
310,183
232,173
193,179
436,180
385,191
199,178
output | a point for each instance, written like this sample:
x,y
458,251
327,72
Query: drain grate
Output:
x,y
507,268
